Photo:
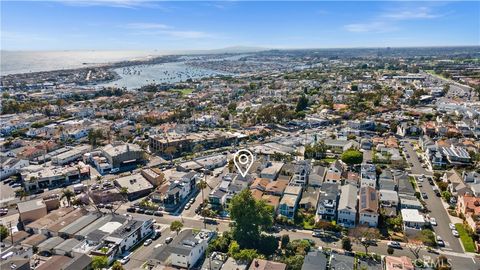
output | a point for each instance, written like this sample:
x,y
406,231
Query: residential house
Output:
x,y
260,264
327,202
335,172
10,166
315,260
317,176
347,206
289,202
368,176
398,263
413,222
469,206
368,209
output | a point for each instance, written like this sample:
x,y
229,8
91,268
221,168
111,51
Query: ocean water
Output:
x,y
13,62
137,76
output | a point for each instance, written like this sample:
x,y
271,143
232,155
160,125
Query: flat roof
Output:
x,y
412,215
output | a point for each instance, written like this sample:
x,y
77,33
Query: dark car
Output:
x,y
211,221
131,209
149,212
140,211
158,213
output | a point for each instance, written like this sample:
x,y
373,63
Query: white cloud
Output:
x,y
374,27
147,26
419,13
110,3
159,29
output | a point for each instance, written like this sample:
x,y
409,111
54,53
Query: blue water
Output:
x,y
138,76
13,62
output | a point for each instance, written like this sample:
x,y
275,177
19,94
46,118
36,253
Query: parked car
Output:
x,y
158,213
100,205
140,211
131,209
168,240
16,185
451,226
424,195
370,242
156,234
149,212
433,221
440,243
109,206
147,242
394,244
125,259
455,233
3,211
187,206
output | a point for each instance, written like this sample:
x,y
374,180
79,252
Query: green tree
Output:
x,y
316,151
250,217
352,157
390,250
202,184
233,248
117,266
4,232
268,245
246,255
99,262
347,244
67,194
446,196
294,262
176,226
427,237
284,241
302,104
198,148
365,236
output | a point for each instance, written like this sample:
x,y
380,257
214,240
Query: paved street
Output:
x,y
438,211
434,203
413,158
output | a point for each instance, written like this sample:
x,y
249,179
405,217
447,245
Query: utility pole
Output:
x,y
11,234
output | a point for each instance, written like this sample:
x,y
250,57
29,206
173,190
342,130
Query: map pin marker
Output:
x,y
243,160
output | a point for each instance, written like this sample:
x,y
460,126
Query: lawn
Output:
x,y
329,160
467,241
185,91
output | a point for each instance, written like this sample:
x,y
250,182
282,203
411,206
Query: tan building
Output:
x,y
31,210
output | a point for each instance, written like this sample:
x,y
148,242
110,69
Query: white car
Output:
x,y
187,206
455,233
394,244
125,259
451,226
433,221
147,242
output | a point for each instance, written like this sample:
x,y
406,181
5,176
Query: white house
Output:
x,y
413,221
347,206
10,166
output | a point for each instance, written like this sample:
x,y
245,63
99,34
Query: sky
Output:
x,y
180,25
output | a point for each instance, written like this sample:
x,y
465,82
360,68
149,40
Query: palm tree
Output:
x,y
22,194
170,151
203,185
68,194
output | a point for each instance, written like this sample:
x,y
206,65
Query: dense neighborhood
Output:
x,y
363,159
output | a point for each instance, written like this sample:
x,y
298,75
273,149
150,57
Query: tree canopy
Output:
x,y
250,217
352,157
176,226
